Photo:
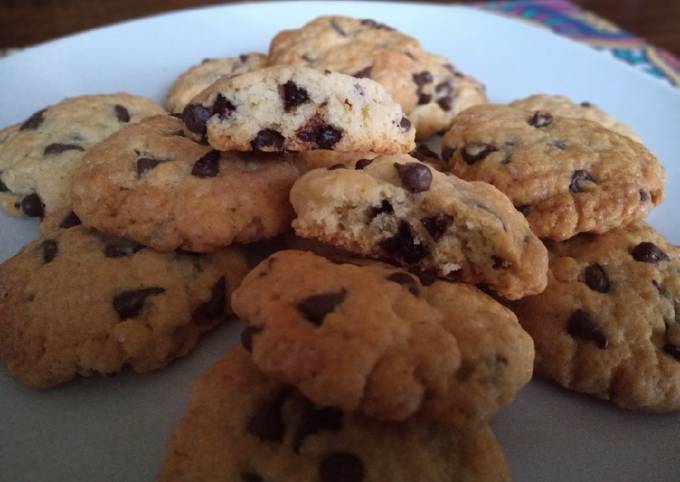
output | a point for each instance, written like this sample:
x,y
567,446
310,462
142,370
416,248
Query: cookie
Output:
x,y
320,158
377,340
563,106
199,77
242,426
152,185
288,108
567,176
38,156
608,324
404,211
79,303
429,89
62,219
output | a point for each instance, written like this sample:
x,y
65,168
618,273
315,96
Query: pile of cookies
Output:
x,y
382,340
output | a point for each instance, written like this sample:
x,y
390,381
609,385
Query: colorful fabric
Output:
x,y
565,18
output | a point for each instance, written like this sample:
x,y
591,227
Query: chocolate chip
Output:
x,y
422,153
34,121
122,113
268,138
477,151
559,144
582,325
426,279
3,186
215,306
647,252
524,209
405,124
336,166
57,148
586,104
362,163
364,73
247,336
445,103
146,164
672,350
50,248
447,153
578,178
644,195
327,136
32,206
121,248
195,117
69,221
129,304
540,119
223,107
338,28
500,263
267,422
384,208
403,246
293,95
316,307
341,467
207,166
437,225
315,419
424,99
596,278
373,24
415,177
251,477
405,279
423,78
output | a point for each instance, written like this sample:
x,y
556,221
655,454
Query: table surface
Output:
x,y
26,22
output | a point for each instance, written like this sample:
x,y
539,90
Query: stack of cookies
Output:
x,y
380,343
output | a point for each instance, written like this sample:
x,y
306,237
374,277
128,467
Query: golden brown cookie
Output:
x,y
375,339
242,426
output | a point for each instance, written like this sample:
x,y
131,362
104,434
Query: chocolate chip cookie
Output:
x,y
402,210
153,185
199,77
563,106
429,89
608,323
76,302
38,156
567,176
295,108
376,339
242,426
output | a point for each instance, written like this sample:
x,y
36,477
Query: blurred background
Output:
x,y
27,22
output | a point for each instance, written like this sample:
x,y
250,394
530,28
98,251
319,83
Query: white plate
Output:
x,y
106,429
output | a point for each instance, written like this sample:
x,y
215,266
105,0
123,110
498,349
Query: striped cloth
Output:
x,y
565,18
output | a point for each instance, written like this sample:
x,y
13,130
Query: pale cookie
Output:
x,y
242,426
151,184
79,303
567,176
199,77
399,209
375,339
563,106
609,322
428,88
299,109
38,157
